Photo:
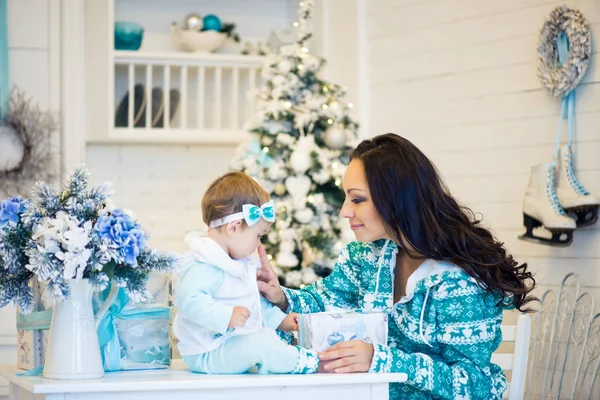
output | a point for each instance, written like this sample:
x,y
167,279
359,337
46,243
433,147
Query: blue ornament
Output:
x,y
211,23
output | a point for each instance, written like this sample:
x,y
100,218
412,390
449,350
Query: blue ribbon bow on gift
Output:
x,y
108,336
253,213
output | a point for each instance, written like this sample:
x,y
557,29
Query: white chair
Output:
x,y
517,361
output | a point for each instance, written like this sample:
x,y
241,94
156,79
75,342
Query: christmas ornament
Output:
x,y
301,160
309,276
11,149
298,187
280,189
212,23
286,258
304,216
293,278
193,22
335,138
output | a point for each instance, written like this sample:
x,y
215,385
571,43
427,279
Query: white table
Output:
x,y
178,383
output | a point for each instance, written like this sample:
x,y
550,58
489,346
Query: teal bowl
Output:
x,y
128,35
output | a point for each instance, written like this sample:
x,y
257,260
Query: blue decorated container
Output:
x,y
128,35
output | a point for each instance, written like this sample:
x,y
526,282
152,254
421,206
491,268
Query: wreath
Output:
x,y
561,79
27,149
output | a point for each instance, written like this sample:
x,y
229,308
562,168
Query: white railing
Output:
x,y
191,97
565,346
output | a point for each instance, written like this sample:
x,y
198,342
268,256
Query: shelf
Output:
x,y
182,58
173,136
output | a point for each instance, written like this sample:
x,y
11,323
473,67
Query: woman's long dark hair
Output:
x,y
418,209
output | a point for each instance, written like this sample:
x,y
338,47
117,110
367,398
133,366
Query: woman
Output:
x,y
419,255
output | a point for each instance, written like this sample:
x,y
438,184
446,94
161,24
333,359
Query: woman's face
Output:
x,y
359,208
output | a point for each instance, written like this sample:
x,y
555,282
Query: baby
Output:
x,y
223,324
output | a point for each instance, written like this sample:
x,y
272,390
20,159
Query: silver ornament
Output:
x,y
12,149
335,138
193,22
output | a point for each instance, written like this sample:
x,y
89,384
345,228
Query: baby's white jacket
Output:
x,y
210,284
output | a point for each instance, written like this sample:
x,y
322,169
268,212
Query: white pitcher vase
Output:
x,y
73,351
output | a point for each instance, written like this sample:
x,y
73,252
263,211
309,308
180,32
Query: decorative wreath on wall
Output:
x,y
28,152
561,79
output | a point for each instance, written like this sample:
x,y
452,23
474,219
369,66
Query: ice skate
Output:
x,y
573,197
541,208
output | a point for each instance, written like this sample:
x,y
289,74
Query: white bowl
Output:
x,y
197,41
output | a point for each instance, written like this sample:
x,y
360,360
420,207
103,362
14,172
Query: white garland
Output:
x,y
561,79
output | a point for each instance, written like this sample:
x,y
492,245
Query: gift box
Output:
x,y
320,331
134,336
33,330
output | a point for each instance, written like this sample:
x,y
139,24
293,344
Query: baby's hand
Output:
x,y
239,317
289,323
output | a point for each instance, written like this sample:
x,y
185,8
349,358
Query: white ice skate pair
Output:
x,y
557,201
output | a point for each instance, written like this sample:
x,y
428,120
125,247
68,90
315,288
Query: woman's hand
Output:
x,y
268,283
351,356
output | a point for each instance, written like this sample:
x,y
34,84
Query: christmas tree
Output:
x,y
302,139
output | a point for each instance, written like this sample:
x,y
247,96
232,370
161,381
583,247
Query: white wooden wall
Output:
x,y
162,185
458,78
33,66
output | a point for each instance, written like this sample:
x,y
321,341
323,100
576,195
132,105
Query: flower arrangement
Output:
x,y
70,234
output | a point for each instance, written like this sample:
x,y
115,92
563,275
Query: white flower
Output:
x,y
109,205
74,263
77,238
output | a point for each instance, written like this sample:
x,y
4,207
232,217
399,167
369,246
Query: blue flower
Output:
x,y
11,209
121,231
